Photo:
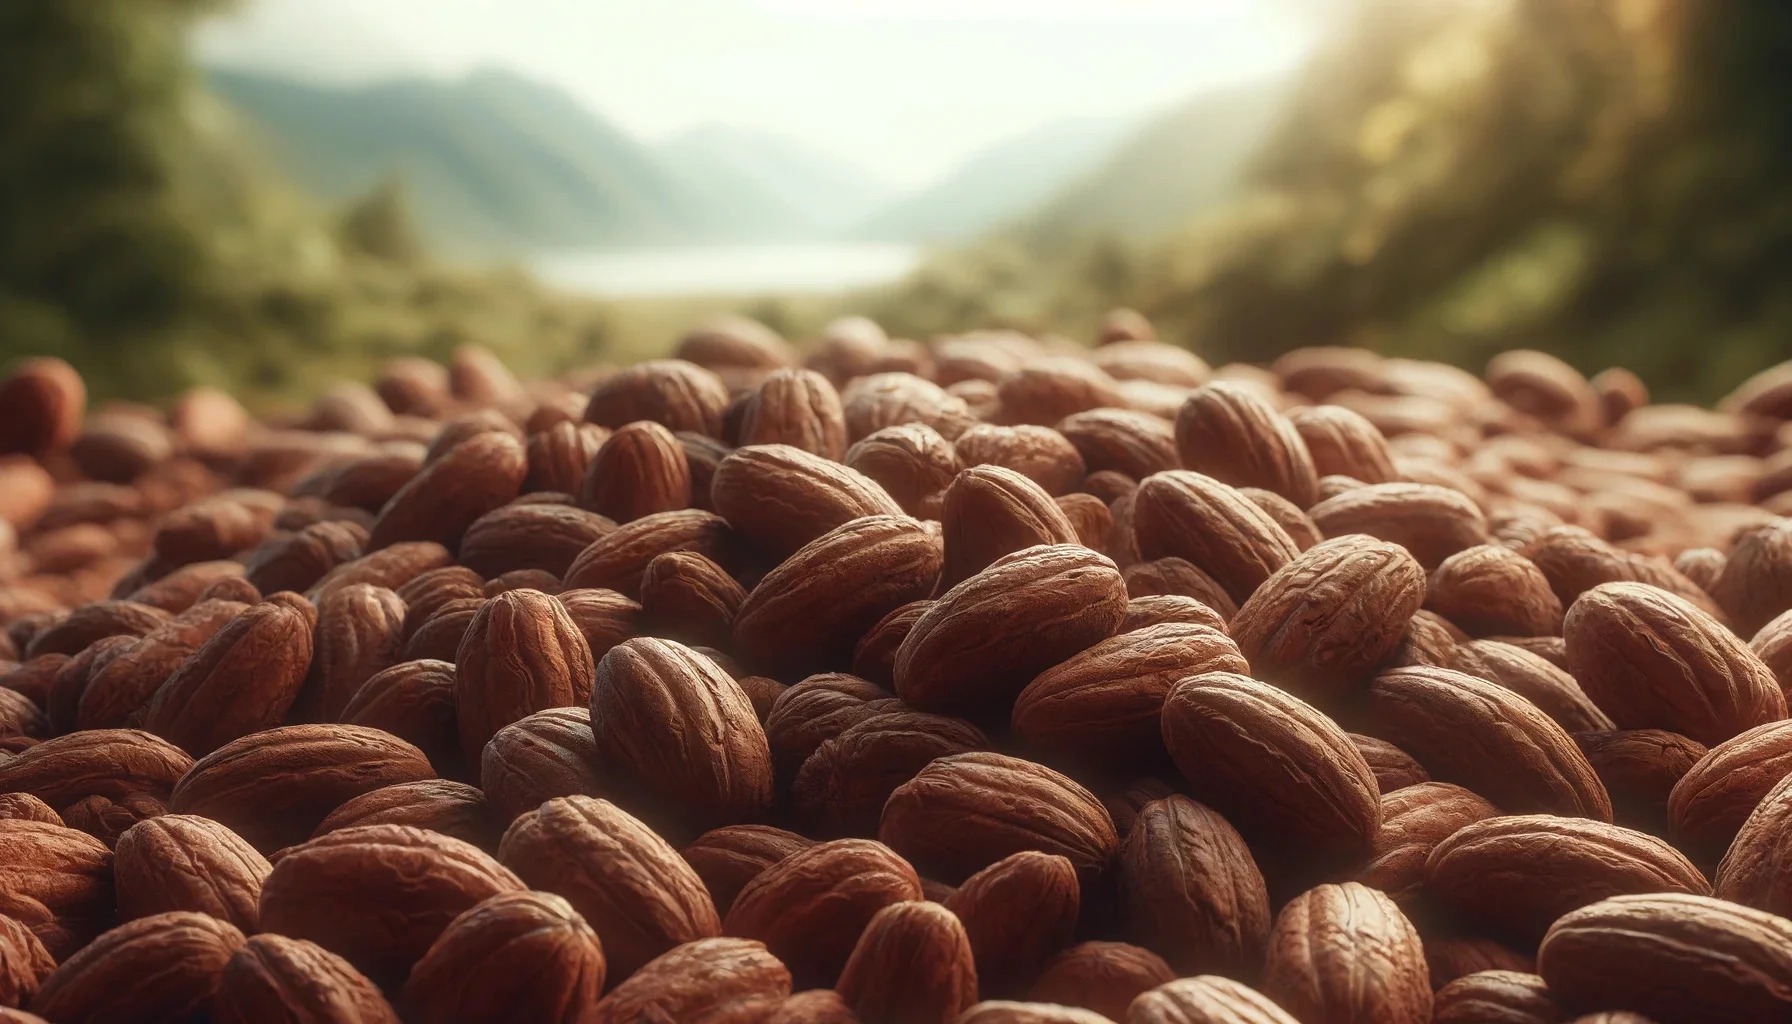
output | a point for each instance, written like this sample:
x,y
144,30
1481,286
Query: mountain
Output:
x,y
1176,165
496,162
492,161
1097,239
998,184
761,186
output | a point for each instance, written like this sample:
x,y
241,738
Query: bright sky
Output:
x,y
904,88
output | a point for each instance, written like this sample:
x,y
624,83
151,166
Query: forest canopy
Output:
x,y
143,238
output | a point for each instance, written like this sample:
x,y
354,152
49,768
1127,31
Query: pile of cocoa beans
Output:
x,y
990,680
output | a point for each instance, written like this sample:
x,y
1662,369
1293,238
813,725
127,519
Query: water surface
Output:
x,y
727,269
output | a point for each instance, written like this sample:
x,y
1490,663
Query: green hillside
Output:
x,y
496,163
1602,178
492,161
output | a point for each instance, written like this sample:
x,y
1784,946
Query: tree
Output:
x,y
96,253
380,224
1609,181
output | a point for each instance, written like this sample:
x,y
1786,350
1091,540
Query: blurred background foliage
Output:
x,y
1610,180
145,241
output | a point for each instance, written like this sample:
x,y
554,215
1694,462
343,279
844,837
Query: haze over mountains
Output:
x,y
1174,166
1003,182
499,164
765,188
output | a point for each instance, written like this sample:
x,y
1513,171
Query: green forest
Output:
x,y
1610,180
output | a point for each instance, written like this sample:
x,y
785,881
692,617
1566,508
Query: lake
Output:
x,y
727,269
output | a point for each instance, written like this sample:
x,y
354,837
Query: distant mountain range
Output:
x,y
497,163
764,187
492,161
1003,182
1138,178
1180,163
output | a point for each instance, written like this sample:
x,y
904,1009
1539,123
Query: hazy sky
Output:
x,y
904,88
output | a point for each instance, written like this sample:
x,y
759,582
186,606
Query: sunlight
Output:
x,y
908,91
1018,10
